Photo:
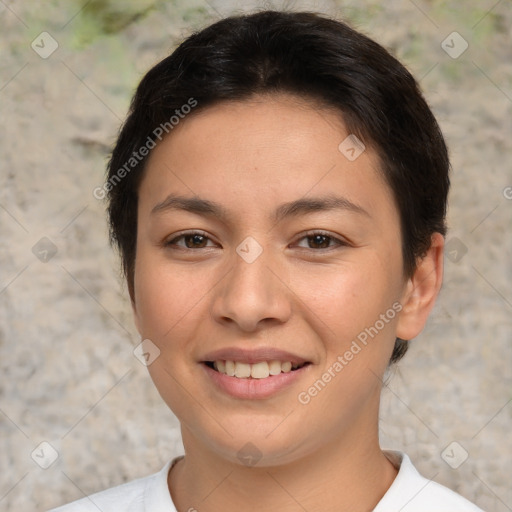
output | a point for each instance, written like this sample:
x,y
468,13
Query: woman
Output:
x,y
278,197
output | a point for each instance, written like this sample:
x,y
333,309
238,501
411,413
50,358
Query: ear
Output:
x,y
421,291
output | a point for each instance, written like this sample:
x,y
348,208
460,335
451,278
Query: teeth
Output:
x,y
286,367
230,368
242,370
259,370
274,367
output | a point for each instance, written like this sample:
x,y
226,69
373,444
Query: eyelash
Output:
x,y
309,234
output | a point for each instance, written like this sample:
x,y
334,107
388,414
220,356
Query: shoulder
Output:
x,y
124,497
133,496
411,492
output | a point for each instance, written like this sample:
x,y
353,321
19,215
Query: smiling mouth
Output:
x,y
260,370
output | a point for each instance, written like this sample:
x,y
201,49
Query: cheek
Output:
x,y
165,296
346,299
169,309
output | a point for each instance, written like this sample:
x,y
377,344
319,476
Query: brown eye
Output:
x,y
321,240
316,240
193,240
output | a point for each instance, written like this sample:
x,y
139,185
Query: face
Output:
x,y
261,282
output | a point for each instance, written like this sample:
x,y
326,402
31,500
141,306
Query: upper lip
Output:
x,y
251,356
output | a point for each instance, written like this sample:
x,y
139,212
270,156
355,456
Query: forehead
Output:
x,y
255,153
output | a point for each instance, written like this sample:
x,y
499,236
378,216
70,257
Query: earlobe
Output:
x,y
422,290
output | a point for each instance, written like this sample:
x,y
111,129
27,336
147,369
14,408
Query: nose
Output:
x,y
252,294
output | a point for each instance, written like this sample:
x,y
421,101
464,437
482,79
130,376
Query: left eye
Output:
x,y
321,238
198,239
195,238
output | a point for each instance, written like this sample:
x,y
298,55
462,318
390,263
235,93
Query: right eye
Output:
x,y
193,240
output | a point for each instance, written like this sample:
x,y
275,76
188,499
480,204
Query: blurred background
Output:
x,y
78,412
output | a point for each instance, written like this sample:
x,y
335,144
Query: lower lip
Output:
x,y
254,389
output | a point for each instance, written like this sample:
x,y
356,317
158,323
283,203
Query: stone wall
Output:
x,y
69,378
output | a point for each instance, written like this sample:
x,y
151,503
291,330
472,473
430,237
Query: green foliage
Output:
x,y
107,17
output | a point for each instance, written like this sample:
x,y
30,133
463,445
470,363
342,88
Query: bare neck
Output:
x,y
351,474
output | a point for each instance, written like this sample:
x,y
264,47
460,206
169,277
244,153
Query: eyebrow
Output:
x,y
291,209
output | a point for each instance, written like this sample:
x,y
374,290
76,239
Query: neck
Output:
x,y
349,474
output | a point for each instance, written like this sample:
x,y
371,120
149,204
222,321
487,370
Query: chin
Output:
x,y
252,440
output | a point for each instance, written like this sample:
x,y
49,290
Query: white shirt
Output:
x,y
409,492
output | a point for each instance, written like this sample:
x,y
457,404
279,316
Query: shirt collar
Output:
x,y
407,484
157,497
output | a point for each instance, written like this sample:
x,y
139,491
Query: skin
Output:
x,y
251,156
